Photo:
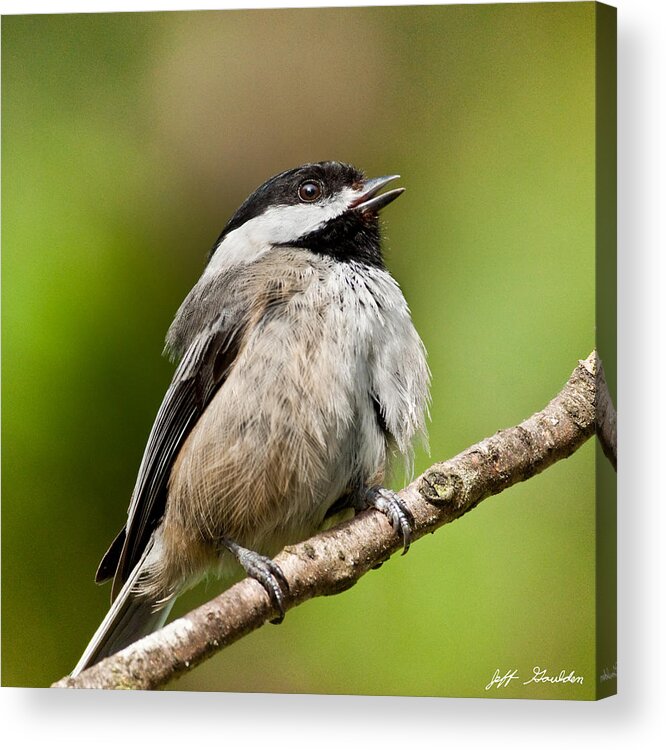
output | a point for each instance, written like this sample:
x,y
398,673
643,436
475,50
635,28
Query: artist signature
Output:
x,y
539,675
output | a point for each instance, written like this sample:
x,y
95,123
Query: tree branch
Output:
x,y
335,559
606,417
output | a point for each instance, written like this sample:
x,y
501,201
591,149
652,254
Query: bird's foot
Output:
x,y
263,570
391,505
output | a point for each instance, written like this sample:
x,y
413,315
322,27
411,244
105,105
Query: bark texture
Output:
x,y
606,417
334,560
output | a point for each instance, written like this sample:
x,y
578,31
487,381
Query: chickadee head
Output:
x,y
328,207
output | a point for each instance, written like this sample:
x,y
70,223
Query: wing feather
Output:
x,y
201,372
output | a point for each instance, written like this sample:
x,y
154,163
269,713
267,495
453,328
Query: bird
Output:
x,y
300,381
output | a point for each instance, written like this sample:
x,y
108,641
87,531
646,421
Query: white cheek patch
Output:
x,y
278,225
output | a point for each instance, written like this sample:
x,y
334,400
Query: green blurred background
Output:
x,y
128,139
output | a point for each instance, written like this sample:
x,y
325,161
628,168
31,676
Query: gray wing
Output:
x,y
399,375
202,370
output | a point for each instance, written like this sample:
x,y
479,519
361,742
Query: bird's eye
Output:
x,y
309,191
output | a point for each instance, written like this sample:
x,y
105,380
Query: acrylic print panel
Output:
x,y
128,141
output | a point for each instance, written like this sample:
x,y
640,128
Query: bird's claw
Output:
x,y
266,572
392,506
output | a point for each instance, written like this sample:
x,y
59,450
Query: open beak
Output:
x,y
368,200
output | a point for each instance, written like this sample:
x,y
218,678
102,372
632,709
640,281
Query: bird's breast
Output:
x,y
294,425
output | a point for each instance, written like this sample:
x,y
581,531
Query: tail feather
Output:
x,y
130,617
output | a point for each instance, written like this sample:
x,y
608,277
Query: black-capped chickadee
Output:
x,y
300,373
